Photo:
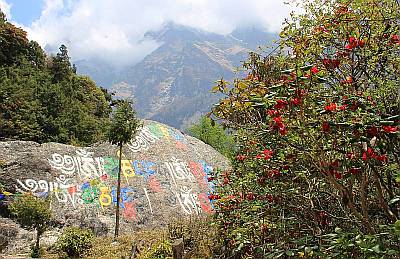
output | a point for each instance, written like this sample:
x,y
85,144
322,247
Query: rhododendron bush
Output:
x,y
317,173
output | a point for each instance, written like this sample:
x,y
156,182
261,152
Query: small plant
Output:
x,y
2,163
36,252
161,249
32,213
74,241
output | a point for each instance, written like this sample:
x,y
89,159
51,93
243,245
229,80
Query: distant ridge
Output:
x,y
172,84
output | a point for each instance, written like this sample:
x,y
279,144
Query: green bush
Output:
x,y
161,249
74,241
214,135
36,252
32,213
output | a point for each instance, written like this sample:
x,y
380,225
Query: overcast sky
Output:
x,y
113,29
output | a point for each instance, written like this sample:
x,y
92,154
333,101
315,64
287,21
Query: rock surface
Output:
x,y
164,175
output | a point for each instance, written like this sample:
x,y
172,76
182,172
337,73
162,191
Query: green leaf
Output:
x,y
288,71
376,249
394,200
386,122
215,89
321,79
305,68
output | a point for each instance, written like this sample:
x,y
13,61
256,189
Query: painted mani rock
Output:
x,y
163,172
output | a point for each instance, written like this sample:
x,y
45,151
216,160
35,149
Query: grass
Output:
x,y
198,235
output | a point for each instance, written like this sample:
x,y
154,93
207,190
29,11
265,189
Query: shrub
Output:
x,y
32,213
74,241
213,135
161,249
318,136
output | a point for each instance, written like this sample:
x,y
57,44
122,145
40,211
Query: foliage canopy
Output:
x,y
32,213
213,135
42,99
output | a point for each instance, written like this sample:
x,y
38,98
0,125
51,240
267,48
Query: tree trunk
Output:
x,y
178,249
38,233
118,193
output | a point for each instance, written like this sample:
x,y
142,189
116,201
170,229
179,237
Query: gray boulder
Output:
x,y
164,175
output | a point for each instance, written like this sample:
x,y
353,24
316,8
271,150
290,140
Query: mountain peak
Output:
x,y
171,31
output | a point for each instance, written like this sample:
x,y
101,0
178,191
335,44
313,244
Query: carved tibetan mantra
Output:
x,y
164,174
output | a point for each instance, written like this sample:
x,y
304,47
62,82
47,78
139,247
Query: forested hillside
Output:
x,y
42,98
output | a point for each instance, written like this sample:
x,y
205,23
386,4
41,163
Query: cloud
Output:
x,y
5,8
113,29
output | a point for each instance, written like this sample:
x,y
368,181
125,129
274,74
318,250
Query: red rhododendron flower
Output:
x,y
330,107
350,156
314,70
284,78
326,127
369,154
300,93
283,130
285,167
337,175
230,197
250,196
373,131
264,228
343,107
272,112
390,129
268,153
240,157
214,197
355,171
354,105
259,156
280,125
274,173
226,180
382,158
278,119
353,43
280,104
395,39
335,163
261,180
296,101
331,63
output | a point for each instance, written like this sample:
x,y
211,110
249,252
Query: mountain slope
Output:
x,y
172,84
